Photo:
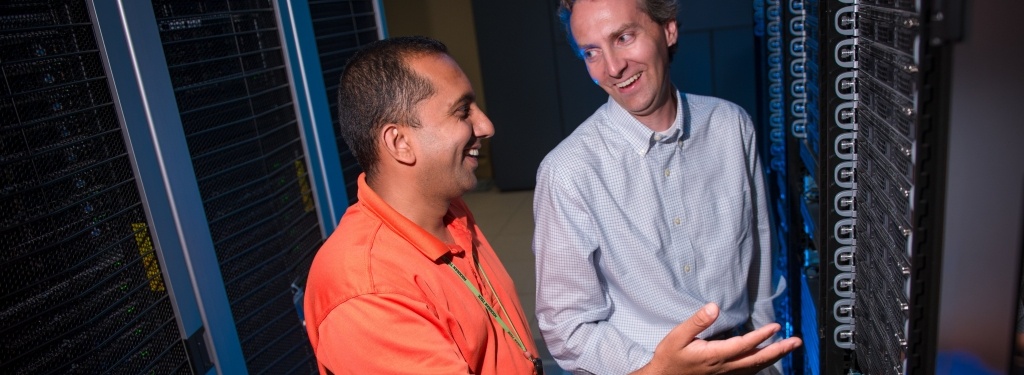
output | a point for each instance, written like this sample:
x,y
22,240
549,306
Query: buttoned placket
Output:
x,y
667,163
688,257
680,222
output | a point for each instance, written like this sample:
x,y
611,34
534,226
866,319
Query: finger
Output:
x,y
754,338
764,357
685,332
741,346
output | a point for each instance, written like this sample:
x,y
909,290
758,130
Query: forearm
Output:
x,y
595,347
573,311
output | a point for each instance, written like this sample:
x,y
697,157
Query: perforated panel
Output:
x,y
341,28
231,85
81,289
886,115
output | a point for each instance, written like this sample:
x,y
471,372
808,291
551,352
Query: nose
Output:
x,y
613,64
482,126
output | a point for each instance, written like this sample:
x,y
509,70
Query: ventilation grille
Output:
x,y
888,32
341,28
231,84
81,289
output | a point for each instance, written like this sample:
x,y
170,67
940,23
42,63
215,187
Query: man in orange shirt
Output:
x,y
408,283
398,287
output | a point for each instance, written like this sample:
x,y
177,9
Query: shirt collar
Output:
x,y
426,243
639,137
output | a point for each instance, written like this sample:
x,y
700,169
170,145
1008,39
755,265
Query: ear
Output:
x,y
395,143
671,32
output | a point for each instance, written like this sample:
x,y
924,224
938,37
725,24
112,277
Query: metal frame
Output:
x,y
382,23
794,62
926,276
312,111
312,107
135,62
835,232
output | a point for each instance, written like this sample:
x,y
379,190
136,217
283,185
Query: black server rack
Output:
x,y
867,132
341,28
81,290
798,185
780,38
231,83
838,200
164,181
888,60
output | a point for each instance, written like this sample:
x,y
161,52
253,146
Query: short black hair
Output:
x,y
661,11
378,87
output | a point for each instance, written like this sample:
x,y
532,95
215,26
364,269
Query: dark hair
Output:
x,y
661,11
378,87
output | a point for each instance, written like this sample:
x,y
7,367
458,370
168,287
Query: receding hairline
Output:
x,y
451,107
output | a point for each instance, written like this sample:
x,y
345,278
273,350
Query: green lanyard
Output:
x,y
487,306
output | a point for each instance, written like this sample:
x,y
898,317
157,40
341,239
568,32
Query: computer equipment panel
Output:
x,y
880,100
836,135
888,35
341,28
772,145
82,289
231,84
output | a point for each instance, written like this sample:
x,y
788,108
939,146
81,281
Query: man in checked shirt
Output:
x,y
653,210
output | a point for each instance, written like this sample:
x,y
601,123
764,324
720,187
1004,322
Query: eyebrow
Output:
x,y
613,34
466,98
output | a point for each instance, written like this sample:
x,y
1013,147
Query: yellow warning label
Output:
x,y
307,192
149,261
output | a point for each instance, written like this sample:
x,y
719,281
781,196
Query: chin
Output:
x,y
467,186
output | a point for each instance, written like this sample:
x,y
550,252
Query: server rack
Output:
x,y
340,28
81,289
169,170
781,37
838,194
794,17
871,151
887,118
230,82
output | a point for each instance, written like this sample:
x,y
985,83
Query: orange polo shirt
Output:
x,y
380,298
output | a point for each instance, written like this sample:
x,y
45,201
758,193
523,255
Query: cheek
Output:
x,y
594,71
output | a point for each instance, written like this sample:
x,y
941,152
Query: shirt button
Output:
x,y
657,137
676,221
687,268
668,172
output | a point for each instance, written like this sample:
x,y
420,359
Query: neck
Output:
x,y
662,118
425,211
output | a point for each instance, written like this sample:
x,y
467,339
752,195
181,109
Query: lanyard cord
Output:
x,y
495,294
487,306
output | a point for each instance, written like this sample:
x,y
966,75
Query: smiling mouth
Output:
x,y
473,152
629,81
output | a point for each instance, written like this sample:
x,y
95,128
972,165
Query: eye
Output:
x,y
626,38
590,54
463,112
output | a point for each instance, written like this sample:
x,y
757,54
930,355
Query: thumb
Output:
x,y
685,332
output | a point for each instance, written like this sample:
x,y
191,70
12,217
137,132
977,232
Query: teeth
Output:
x,y
474,152
628,81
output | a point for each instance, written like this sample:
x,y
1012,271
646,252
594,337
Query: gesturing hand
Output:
x,y
680,352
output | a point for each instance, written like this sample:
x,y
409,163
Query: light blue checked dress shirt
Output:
x,y
636,230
